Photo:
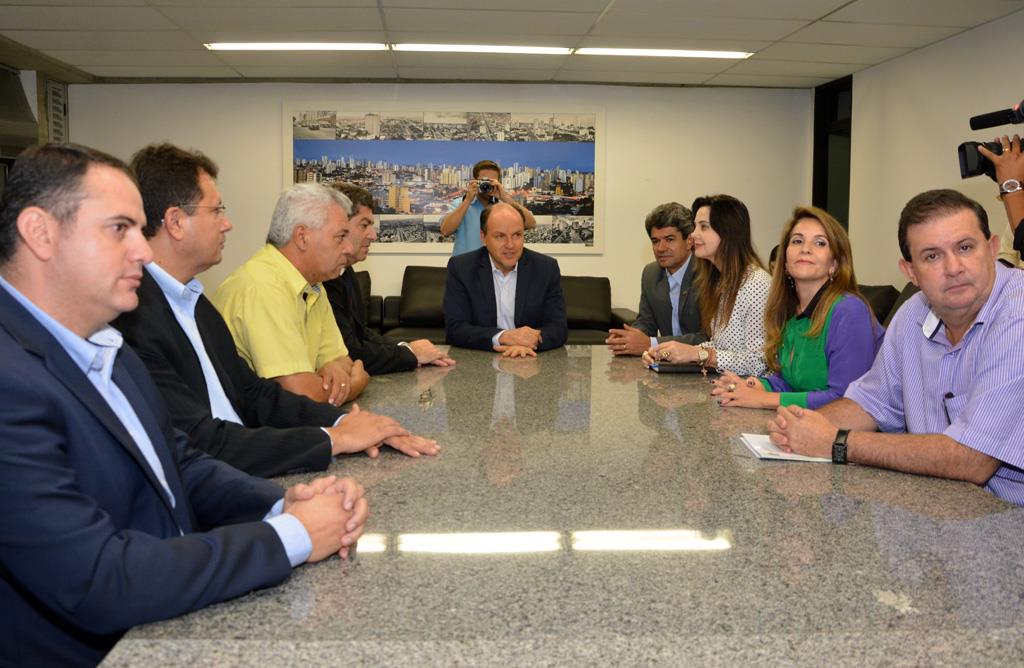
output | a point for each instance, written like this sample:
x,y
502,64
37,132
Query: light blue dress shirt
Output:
x,y
467,234
675,283
182,299
504,298
96,357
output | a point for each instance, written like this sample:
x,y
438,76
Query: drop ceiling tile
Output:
x,y
72,3
754,9
633,24
830,53
956,13
639,64
259,18
162,72
84,59
127,40
794,68
637,77
496,22
477,61
82,18
318,72
207,36
300,59
871,34
766,81
249,4
470,73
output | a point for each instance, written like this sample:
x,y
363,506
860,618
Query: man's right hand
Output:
x,y
472,190
427,353
361,431
628,341
333,512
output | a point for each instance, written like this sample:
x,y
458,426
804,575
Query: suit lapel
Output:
x,y
663,308
523,275
684,293
486,281
34,338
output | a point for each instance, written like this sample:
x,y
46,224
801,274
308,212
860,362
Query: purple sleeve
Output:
x,y
851,342
776,383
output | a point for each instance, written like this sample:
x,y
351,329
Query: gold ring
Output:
x,y
732,387
665,354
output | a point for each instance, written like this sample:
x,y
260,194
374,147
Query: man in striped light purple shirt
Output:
x,y
945,389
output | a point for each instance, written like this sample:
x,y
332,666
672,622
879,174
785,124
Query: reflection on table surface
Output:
x,y
587,510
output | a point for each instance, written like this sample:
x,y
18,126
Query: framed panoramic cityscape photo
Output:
x,y
416,165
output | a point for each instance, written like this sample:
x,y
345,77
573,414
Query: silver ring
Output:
x,y
732,387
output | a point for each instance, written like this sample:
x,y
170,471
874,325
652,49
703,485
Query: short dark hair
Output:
x,y
358,195
486,213
168,177
670,214
933,204
486,164
49,177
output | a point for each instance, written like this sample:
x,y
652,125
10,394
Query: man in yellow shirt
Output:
x,y
275,305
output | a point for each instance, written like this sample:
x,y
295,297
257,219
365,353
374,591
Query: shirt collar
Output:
x,y
813,304
185,295
283,267
677,278
495,270
95,354
932,321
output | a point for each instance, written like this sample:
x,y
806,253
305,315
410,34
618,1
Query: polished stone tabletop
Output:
x,y
586,510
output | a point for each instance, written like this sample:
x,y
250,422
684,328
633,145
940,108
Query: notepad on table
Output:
x,y
763,448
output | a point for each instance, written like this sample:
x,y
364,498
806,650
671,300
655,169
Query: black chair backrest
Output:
x,y
422,297
588,301
881,298
909,290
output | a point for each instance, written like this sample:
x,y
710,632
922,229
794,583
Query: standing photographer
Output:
x,y
484,190
1010,177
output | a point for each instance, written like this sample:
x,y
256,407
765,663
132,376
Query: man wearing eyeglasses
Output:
x,y
213,396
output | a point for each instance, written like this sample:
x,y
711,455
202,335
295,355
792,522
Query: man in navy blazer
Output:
x,y
110,519
503,297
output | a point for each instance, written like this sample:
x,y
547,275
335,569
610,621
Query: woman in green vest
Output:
x,y
820,332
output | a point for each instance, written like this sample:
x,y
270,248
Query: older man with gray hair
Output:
x,y
275,305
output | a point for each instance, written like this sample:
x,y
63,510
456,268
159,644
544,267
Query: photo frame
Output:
x,y
416,165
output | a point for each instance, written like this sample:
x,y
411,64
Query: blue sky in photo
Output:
x,y
577,156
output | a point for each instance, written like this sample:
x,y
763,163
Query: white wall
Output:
x,y
662,144
909,115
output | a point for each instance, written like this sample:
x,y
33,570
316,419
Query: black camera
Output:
x,y
973,163
485,186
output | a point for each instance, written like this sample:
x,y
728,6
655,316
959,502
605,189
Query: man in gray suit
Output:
x,y
668,302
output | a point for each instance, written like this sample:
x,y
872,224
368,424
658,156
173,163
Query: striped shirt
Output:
x,y
972,391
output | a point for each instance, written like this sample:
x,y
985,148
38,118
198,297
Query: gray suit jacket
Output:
x,y
655,316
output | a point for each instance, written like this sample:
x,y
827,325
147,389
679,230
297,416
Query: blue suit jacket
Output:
x,y
89,542
470,310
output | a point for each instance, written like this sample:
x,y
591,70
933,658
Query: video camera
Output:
x,y
973,163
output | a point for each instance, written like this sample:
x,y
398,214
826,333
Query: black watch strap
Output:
x,y
839,446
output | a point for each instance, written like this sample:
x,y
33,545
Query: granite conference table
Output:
x,y
586,510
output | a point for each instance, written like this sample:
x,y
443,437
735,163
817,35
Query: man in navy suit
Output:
x,y
503,297
109,518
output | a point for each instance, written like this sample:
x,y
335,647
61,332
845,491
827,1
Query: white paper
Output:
x,y
763,448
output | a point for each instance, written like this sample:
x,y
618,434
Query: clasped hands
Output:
x,y
332,510
803,431
732,390
519,342
628,341
671,352
340,381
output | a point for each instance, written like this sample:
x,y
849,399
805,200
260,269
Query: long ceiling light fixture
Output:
x,y
295,46
484,48
662,53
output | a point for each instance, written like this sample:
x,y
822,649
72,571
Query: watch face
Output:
x,y
1010,186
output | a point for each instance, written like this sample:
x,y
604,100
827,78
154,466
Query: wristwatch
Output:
x,y
839,446
1010,186
703,356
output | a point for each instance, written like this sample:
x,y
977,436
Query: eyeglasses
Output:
x,y
218,210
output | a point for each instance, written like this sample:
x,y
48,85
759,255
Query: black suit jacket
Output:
x,y
379,354
470,310
280,435
90,544
655,314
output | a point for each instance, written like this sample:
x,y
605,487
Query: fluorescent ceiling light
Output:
x,y
502,542
484,48
295,46
663,53
628,541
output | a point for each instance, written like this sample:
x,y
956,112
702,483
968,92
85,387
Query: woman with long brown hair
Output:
x,y
732,288
820,332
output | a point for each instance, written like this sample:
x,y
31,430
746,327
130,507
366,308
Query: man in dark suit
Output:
x,y
378,353
503,297
213,396
104,502
668,302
